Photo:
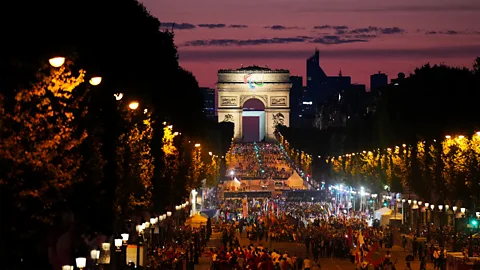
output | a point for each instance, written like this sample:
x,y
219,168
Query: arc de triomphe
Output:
x,y
271,87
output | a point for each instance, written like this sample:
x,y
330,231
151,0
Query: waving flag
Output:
x,y
373,256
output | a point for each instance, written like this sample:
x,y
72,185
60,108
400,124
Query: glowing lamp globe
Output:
x,y
106,246
95,80
169,214
57,62
118,96
95,254
118,243
81,262
125,236
133,105
67,267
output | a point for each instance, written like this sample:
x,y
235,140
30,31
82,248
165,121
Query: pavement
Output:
x,y
397,252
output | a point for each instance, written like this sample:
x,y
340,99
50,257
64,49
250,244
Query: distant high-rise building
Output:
x,y
208,102
378,80
296,94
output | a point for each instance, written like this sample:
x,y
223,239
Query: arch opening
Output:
x,y
253,121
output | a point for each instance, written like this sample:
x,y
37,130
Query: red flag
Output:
x,y
350,236
373,256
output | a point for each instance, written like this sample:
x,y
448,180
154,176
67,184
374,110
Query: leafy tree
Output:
x,y
135,163
41,139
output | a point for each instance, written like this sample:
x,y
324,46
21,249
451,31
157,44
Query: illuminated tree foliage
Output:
x,y
445,170
171,161
196,172
212,171
41,138
135,165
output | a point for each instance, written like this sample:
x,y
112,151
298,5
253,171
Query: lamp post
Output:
x,y
94,255
403,212
419,219
81,262
140,230
454,209
194,202
374,198
153,221
409,201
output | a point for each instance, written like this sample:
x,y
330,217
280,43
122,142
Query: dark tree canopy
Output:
x,y
121,42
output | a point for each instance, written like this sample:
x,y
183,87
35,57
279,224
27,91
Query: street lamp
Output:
x,y
95,255
133,105
81,262
403,212
95,80
118,244
118,96
67,267
125,237
169,214
57,62
197,145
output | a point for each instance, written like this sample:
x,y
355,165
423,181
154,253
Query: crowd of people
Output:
x,y
258,161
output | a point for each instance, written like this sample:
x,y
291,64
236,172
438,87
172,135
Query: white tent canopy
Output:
x,y
295,181
385,215
196,221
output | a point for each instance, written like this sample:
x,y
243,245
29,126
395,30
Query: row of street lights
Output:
x,y
122,241
60,61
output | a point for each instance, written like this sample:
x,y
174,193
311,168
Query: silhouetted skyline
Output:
x,y
359,37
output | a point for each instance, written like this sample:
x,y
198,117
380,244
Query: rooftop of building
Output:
x,y
253,68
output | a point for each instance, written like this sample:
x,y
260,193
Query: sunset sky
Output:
x,y
360,37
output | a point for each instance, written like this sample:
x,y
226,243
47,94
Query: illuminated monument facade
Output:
x,y
236,88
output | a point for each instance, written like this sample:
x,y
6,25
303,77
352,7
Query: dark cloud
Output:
x,y
377,30
371,54
452,32
365,36
238,26
244,42
331,40
211,25
345,30
178,26
281,27
327,26
391,30
327,40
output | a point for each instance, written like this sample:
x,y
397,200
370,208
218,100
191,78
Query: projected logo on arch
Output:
x,y
253,81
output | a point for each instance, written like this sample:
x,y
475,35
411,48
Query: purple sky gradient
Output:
x,y
403,34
